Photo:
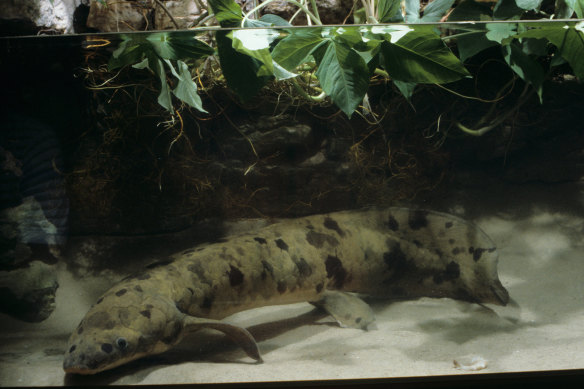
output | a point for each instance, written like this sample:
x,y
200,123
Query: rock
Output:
x,y
184,12
270,136
43,14
29,293
119,15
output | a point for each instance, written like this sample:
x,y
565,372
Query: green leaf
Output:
x,y
274,20
537,47
563,10
568,38
227,12
154,63
186,89
164,97
406,88
166,45
496,32
435,10
389,11
344,76
470,10
169,45
296,47
473,43
528,4
349,35
240,70
412,11
507,9
256,44
524,66
130,51
577,6
420,56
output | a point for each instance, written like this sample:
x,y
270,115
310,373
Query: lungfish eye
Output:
x,y
122,343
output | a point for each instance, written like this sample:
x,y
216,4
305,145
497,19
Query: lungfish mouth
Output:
x,y
72,367
74,364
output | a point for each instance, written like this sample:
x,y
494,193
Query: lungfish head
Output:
x,y
120,327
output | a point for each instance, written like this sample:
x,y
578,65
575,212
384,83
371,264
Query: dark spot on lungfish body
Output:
x,y
448,224
358,320
281,244
304,268
235,276
333,225
392,223
99,300
143,277
478,252
80,330
240,251
208,302
267,268
189,251
138,288
417,243
451,241
98,320
456,251
260,240
72,348
282,286
146,314
336,271
107,348
397,262
418,219
319,287
452,271
318,239
121,292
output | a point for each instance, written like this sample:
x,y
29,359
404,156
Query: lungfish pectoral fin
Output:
x,y
347,309
239,335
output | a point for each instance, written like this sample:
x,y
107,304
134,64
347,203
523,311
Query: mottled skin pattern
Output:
x,y
396,253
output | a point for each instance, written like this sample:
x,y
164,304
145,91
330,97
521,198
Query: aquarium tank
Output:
x,y
291,192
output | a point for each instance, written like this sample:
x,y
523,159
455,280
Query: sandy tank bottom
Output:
x,y
538,230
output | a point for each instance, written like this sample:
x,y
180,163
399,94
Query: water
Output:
x,y
105,172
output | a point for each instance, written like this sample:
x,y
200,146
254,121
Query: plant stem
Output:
x,y
303,93
168,13
525,95
314,18
315,10
381,72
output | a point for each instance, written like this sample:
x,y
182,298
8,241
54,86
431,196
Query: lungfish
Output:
x,y
392,253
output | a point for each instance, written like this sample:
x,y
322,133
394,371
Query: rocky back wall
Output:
x,y
25,17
